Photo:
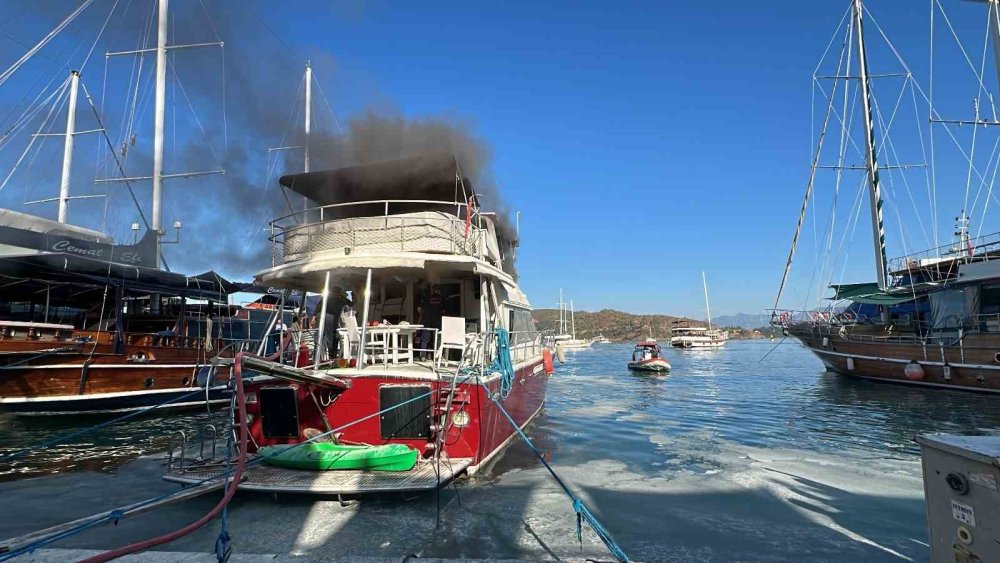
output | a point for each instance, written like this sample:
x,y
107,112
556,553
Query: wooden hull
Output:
x,y
970,363
52,378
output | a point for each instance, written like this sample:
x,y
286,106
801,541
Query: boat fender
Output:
x,y
560,354
913,371
547,361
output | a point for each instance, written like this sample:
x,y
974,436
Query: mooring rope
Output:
x,y
502,362
582,513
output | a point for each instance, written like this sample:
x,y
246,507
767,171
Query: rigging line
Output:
x,y
854,227
210,24
44,41
961,47
99,34
53,77
135,79
121,169
805,199
843,62
923,153
989,196
208,142
888,143
65,88
29,188
329,108
982,184
23,122
833,38
56,64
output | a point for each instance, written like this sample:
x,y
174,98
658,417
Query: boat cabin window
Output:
x,y
989,300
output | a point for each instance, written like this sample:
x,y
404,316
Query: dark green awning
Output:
x,y
851,290
869,294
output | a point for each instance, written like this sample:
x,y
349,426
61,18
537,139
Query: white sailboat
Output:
x,y
698,336
567,340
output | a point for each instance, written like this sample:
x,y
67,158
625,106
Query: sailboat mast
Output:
x,y
308,125
562,314
875,191
74,84
572,315
158,120
708,311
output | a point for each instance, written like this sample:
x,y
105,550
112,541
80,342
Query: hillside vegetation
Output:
x,y
620,326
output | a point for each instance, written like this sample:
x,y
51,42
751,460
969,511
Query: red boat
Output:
x,y
433,344
647,356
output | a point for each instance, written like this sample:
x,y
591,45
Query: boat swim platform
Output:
x,y
270,479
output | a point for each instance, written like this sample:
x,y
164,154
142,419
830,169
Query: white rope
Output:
x,y
99,34
65,87
44,41
194,114
329,108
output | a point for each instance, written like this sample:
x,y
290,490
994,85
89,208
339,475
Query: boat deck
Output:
x,y
266,478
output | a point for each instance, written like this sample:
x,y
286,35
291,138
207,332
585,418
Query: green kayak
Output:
x,y
327,456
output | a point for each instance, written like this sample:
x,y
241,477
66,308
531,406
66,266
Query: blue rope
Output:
x,y
502,362
60,439
582,513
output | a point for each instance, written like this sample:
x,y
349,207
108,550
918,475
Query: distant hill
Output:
x,y
744,320
620,326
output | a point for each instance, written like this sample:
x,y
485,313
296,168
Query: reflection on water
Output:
x,y
711,402
102,450
718,399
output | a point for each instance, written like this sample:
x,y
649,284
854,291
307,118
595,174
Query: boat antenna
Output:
x,y
708,311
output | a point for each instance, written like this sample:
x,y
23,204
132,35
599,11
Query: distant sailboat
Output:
x,y
697,336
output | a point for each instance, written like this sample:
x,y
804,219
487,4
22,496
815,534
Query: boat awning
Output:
x,y
427,177
868,293
65,268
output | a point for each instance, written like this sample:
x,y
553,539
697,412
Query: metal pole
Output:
x,y
322,322
572,315
74,83
875,193
308,127
708,311
161,100
364,320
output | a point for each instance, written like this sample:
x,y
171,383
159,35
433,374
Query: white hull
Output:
x,y
695,342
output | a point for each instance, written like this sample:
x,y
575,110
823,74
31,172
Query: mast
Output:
x,y
875,191
572,315
994,17
74,83
308,126
708,311
158,118
562,314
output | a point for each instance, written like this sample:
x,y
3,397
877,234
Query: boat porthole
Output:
x,y
185,381
964,535
996,357
149,382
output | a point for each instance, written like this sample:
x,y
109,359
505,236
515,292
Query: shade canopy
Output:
x,y
428,177
70,269
868,293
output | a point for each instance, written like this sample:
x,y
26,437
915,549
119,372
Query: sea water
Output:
x,y
749,452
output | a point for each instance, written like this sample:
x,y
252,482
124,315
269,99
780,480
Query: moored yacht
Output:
x,y
434,344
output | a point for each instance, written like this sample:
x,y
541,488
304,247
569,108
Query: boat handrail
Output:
x,y
305,213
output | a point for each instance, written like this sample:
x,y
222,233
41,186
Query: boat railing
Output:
x,y
357,227
939,261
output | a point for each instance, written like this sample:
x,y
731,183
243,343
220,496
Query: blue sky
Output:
x,y
642,142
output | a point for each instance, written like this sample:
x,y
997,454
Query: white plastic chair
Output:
x,y
353,336
452,337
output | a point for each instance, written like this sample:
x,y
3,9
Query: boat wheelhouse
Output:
x,y
697,337
648,356
423,337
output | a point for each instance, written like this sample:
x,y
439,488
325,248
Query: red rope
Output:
x,y
144,545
